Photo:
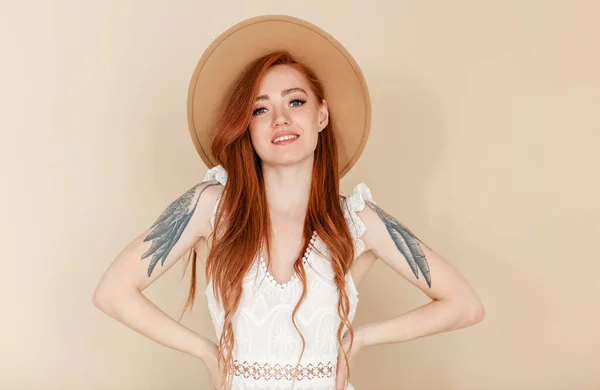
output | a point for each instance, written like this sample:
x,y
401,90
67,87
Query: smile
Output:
x,y
285,139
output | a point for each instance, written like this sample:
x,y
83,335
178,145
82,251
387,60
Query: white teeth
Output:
x,y
284,137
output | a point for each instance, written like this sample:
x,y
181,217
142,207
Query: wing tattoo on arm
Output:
x,y
406,242
170,225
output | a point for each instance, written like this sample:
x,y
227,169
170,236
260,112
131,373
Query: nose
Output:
x,y
280,118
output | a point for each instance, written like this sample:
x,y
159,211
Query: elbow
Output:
x,y
107,299
114,292
114,298
101,299
467,310
472,311
476,312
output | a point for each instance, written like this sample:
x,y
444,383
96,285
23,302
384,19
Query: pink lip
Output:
x,y
282,133
287,141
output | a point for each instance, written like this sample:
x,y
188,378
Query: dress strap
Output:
x,y
353,204
219,174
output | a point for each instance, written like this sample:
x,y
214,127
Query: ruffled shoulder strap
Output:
x,y
353,204
219,174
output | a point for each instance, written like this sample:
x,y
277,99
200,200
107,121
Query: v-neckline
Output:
x,y
294,277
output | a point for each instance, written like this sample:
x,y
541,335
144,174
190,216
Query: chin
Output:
x,y
275,156
286,160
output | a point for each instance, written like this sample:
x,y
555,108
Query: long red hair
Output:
x,y
242,219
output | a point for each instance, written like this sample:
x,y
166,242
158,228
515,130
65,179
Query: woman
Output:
x,y
285,250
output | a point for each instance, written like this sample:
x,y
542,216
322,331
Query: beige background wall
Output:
x,y
485,140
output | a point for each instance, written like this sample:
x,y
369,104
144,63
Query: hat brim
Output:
x,y
222,62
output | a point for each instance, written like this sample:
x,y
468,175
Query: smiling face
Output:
x,y
286,107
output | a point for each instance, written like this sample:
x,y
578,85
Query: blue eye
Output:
x,y
258,110
298,100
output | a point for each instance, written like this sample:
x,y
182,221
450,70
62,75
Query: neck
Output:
x,y
287,188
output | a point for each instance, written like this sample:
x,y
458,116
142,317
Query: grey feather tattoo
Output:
x,y
406,242
170,225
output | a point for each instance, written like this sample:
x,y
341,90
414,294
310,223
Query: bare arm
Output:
x,y
454,303
150,255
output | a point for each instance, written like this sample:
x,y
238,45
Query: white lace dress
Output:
x,y
267,346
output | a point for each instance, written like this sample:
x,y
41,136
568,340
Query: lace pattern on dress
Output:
x,y
267,345
278,371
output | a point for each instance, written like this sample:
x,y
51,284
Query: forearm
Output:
x,y
434,317
140,314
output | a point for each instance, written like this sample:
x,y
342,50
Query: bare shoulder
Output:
x,y
206,195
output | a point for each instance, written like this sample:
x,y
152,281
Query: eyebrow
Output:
x,y
283,93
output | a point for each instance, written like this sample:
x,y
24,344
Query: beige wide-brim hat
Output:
x,y
223,61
